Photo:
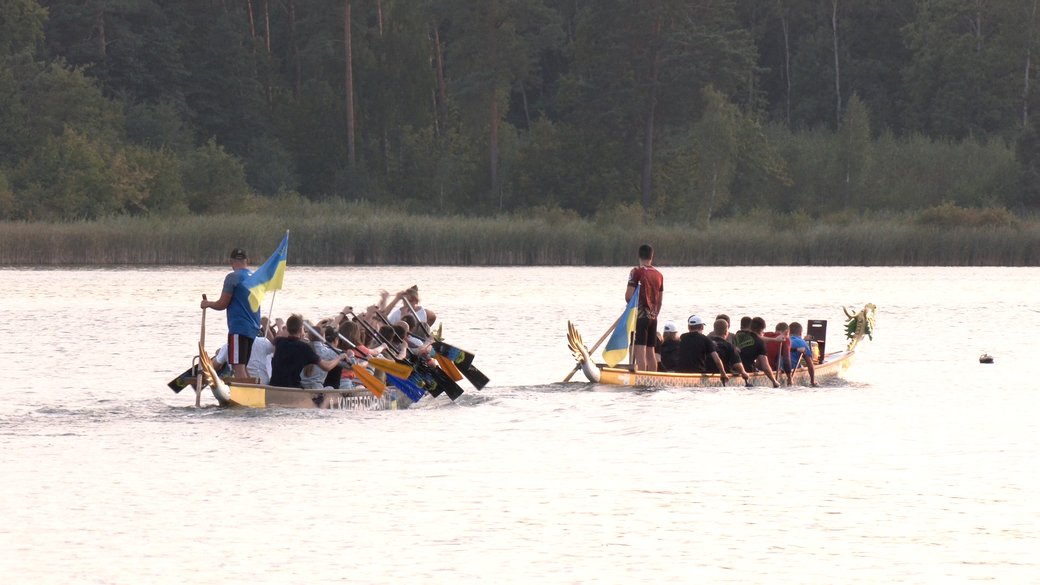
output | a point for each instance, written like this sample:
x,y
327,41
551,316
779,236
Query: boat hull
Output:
x,y
834,366
260,396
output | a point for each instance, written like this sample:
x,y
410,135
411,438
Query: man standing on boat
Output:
x,y
651,293
243,321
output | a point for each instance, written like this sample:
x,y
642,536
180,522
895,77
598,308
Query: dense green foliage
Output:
x,y
689,110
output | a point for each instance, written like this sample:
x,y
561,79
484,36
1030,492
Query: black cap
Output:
x,y
238,254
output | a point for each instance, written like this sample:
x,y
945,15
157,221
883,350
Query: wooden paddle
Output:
x,y
400,370
449,367
443,378
421,380
463,362
202,343
372,383
433,375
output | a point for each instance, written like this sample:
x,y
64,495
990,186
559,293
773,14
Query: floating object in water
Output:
x,y
985,359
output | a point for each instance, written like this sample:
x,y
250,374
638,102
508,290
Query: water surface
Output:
x,y
919,468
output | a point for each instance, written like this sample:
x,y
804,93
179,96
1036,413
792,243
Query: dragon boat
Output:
x,y
829,366
232,392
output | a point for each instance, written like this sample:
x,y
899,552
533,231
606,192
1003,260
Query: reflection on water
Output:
x,y
919,469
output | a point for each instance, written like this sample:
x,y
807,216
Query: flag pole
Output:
x,y
270,309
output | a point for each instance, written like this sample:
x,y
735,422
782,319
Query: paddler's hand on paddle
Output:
x,y
204,304
723,377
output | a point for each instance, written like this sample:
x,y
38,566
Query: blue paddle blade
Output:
x,y
412,391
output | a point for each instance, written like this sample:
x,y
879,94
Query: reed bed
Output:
x,y
350,234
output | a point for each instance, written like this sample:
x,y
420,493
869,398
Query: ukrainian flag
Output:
x,y
617,345
268,276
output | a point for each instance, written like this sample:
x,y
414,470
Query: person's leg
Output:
x,y
239,348
649,359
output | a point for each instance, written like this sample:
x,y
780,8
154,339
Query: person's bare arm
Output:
x,y
333,362
722,368
389,307
219,304
763,364
629,292
807,357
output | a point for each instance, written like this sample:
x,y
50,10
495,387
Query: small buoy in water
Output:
x,y
985,359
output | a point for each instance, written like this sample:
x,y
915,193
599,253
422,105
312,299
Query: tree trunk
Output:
x,y
787,61
837,69
1030,31
102,40
978,26
442,91
493,109
349,59
267,26
493,139
648,128
527,110
252,23
295,50
714,192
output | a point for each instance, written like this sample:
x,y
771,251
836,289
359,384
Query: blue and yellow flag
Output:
x,y
268,276
617,346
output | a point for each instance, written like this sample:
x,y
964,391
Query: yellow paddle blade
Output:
x,y
449,367
391,367
374,384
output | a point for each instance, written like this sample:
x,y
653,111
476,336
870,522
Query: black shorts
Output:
x,y
646,331
239,347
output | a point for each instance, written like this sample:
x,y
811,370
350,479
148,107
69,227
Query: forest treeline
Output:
x,y
691,110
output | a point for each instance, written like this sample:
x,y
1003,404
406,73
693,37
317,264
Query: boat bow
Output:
x,y
581,353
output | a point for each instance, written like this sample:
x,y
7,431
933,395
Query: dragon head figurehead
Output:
x,y
859,324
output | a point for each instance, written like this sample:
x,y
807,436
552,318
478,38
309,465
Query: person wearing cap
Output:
x,y
670,347
651,292
243,322
695,350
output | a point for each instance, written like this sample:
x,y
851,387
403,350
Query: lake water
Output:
x,y
921,467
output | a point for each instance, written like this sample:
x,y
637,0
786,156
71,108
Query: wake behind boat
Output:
x,y
829,366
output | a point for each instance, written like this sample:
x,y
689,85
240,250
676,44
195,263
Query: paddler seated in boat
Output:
x,y
315,378
725,317
727,352
292,354
801,352
695,350
416,334
778,349
670,347
259,366
753,349
411,294
395,347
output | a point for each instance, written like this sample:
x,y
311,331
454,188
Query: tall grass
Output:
x,y
348,234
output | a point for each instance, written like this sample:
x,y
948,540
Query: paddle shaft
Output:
x,y
594,348
438,376
375,332
423,323
202,343
372,384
